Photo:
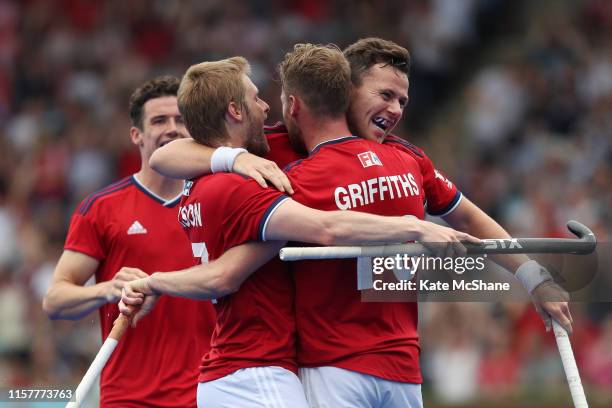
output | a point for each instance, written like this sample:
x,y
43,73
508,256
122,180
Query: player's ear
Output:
x,y
234,112
136,136
294,106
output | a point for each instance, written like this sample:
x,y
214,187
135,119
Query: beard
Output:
x,y
296,138
256,142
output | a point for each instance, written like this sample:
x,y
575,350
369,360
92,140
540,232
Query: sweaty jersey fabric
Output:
x,y
335,328
255,325
156,363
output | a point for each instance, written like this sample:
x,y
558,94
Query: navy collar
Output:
x,y
331,142
166,203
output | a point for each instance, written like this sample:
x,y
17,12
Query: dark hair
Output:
x,y
371,51
166,85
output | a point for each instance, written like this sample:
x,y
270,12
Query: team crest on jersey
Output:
x,y
368,159
187,188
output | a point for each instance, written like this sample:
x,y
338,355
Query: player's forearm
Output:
x,y
467,217
182,159
293,221
193,283
351,227
65,300
218,278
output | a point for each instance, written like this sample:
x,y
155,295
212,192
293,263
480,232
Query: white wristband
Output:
x,y
531,274
223,157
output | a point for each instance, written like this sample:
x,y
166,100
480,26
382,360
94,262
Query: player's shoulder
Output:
x,y
217,180
107,196
214,185
404,145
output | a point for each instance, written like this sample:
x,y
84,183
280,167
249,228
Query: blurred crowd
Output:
x,y
512,99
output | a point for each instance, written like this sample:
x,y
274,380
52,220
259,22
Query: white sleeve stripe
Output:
x,y
268,215
450,210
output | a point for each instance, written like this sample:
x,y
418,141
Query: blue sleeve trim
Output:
x,y
449,208
263,224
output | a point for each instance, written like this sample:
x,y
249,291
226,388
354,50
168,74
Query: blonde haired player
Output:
x,y
252,359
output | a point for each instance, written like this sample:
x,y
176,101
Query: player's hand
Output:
x,y
149,303
550,300
260,170
136,313
134,293
443,241
137,300
115,285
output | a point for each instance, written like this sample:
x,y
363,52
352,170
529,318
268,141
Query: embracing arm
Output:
x,y
213,280
471,219
293,221
187,159
548,297
218,278
182,159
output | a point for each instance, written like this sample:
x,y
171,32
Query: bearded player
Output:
x,y
253,345
379,95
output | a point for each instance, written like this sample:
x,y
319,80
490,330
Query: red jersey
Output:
x,y
256,325
154,364
441,195
335,328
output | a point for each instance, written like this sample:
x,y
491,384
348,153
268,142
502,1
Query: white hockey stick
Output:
x,y
94,370
585,244
569,366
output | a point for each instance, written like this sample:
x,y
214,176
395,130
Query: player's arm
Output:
x,y
292,221
216,279
187,159
288,221
468,217
68,298
220,277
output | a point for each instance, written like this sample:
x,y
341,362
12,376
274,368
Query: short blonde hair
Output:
x,y
320,75
204,94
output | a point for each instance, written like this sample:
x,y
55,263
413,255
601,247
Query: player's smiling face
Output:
x,y
161,123
378,104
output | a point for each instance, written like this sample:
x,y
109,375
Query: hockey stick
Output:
x,y
94,370
569,366
585,244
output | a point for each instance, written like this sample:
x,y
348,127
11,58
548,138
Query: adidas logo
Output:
x,y
136,228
